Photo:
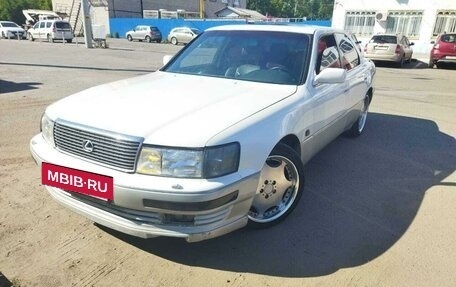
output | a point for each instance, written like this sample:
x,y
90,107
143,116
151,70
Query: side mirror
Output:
x,y
412,43
166,59
432,42
330,76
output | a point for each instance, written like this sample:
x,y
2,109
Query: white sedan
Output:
x,y
11,30
215,140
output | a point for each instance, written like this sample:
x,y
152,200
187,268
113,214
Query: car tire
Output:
x,y
280,187
174,41
3,35
358,126
30,37
148,39
69,40
49,38
431,64
129,38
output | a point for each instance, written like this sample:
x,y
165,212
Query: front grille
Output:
x,y
110,149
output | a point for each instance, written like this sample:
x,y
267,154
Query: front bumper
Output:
x,y
15,35
149,206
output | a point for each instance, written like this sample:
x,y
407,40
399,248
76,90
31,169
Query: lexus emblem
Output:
x,y
87,145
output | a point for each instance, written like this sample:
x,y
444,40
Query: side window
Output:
x,y
42,24
327,54
36,26
48,25
350,56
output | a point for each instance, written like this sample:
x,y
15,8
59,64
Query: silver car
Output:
x,y
182,35
390,48
144,33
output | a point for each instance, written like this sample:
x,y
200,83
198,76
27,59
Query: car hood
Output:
x,y
167,108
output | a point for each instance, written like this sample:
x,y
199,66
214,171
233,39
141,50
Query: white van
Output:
x,y
51,30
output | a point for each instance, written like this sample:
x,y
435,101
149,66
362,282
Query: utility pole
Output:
x,y
201,5
87,23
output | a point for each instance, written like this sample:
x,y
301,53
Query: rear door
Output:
x,y
357,76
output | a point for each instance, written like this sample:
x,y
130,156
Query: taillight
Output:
x,y
398,49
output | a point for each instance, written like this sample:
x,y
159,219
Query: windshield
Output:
x,y
259,56
9,24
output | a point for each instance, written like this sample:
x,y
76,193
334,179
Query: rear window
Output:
x,y
384,39
449,38
154,29
62,25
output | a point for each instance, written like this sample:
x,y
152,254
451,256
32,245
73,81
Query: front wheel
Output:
x,y
358,127
31,37
129,38
174,40
280,188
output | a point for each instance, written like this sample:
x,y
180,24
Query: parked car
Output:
x,y
11,30
51,30
443,51
146,33
182,35
199,163
389,47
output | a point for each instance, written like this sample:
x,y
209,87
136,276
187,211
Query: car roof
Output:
x,y
304,29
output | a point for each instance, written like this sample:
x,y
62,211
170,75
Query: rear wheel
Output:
x,y
280,187
148,39
49,38
174,41
431,64
358,127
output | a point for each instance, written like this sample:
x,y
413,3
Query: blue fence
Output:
x,y
120,26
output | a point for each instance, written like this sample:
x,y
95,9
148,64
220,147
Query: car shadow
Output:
x,y
10,87
361,195
414,64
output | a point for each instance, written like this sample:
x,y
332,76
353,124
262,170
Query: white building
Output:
x,y
420,20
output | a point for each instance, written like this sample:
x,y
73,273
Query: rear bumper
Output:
x,y
385,57
443,58
147,206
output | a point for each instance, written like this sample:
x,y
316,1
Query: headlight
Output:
x,y
47,129
189,163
